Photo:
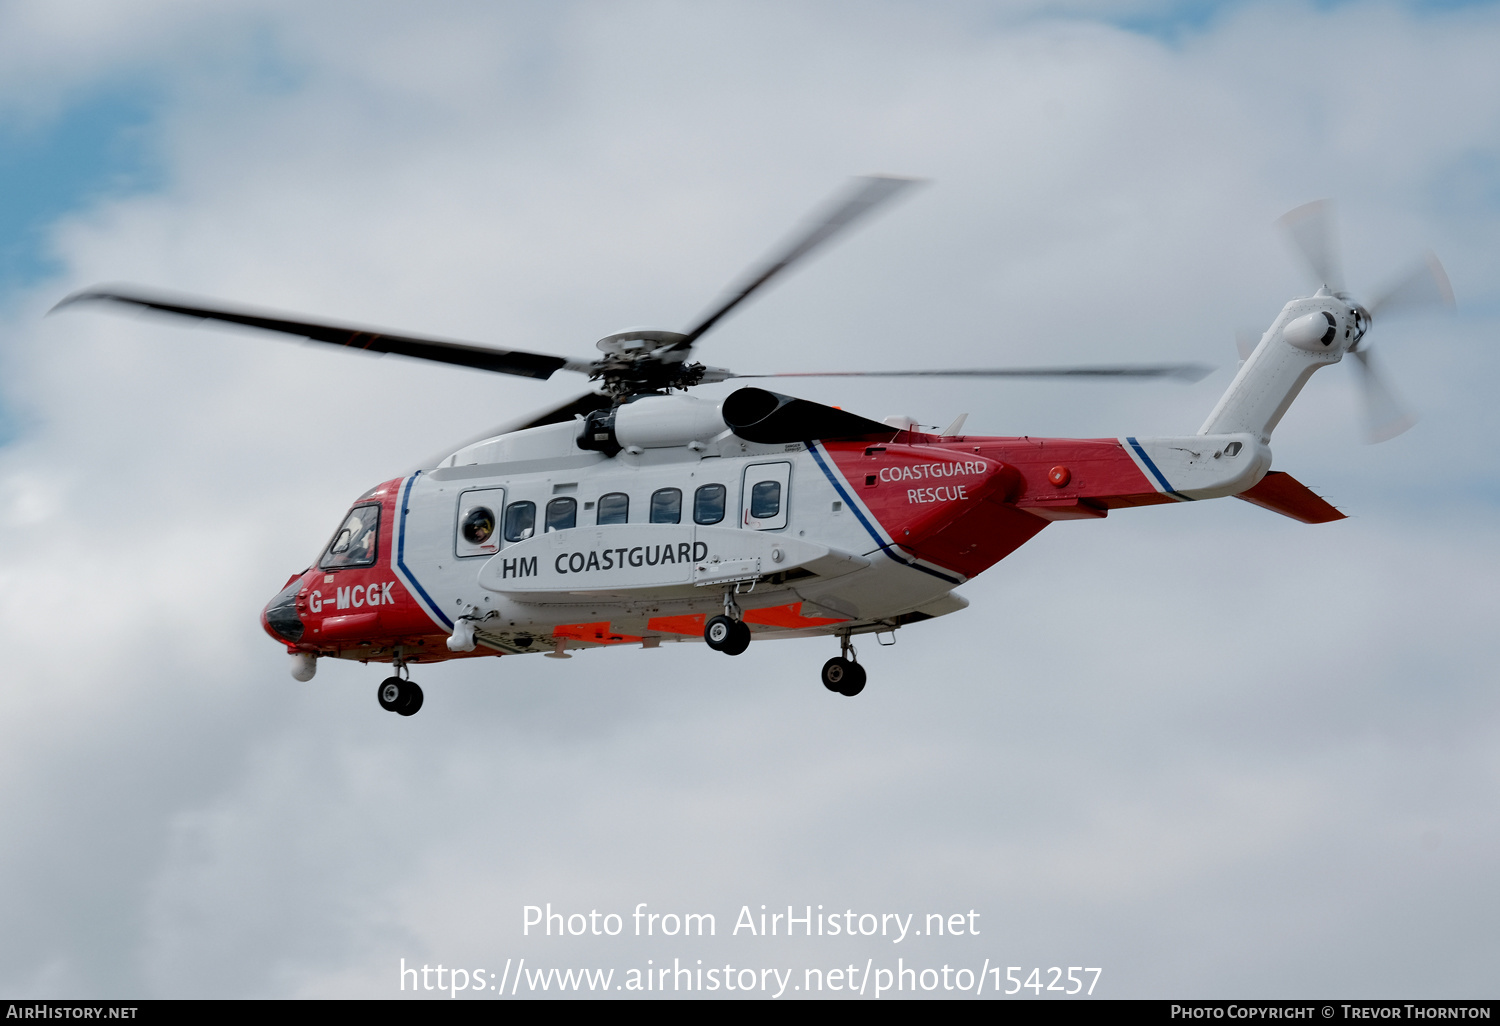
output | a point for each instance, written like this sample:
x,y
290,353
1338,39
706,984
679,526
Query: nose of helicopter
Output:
x,y
280,618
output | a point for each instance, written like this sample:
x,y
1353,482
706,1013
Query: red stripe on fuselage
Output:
x,y
963,505
363,607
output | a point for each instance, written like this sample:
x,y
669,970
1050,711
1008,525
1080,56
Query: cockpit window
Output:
x,y
357,542
520,521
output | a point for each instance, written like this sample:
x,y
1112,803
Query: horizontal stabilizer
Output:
x,y
1282,493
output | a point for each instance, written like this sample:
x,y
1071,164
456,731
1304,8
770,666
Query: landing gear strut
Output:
x,y
841,674
399,695
727,633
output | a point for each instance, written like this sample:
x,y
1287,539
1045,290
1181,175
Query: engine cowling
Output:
x,y
758,415
651,422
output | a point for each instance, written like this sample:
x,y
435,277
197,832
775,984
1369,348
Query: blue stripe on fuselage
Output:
x,y
401,555
885,546
1152,467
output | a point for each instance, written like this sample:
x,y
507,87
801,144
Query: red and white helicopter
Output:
x,y
637,513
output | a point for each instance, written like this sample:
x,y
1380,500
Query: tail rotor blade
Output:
x,y
1425,285
1385,418
1312,230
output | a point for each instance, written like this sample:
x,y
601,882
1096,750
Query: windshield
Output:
x,y
356,542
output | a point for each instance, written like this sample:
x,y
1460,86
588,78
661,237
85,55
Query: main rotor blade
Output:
x,y
1424,285
462,354
866,194
1188,372
577,406
1312,230
1384,416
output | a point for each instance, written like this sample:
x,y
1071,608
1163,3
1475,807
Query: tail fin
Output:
x,y
1309,333
1282,493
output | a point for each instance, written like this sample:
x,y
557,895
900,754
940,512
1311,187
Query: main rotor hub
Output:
x,y
645,360
643,344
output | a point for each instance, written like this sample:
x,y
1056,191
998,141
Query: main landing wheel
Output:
x,y
399,696
725,635
843,676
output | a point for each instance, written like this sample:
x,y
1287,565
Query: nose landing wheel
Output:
x,y
399,696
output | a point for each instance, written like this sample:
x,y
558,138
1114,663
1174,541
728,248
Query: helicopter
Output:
x,y
637,514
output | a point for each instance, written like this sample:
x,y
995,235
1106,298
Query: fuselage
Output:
x,y
541,545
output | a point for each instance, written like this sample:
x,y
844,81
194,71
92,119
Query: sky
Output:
x,y
1205,749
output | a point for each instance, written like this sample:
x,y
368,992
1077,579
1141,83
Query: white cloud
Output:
x,y
1199,746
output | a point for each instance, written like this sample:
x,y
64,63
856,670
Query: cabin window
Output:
x,y
764,496
477,529
765,500
708,504
666,506
520,521
478,525
356,543
614,508
562,514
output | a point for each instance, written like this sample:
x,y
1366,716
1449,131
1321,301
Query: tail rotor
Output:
x,y
1312,230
